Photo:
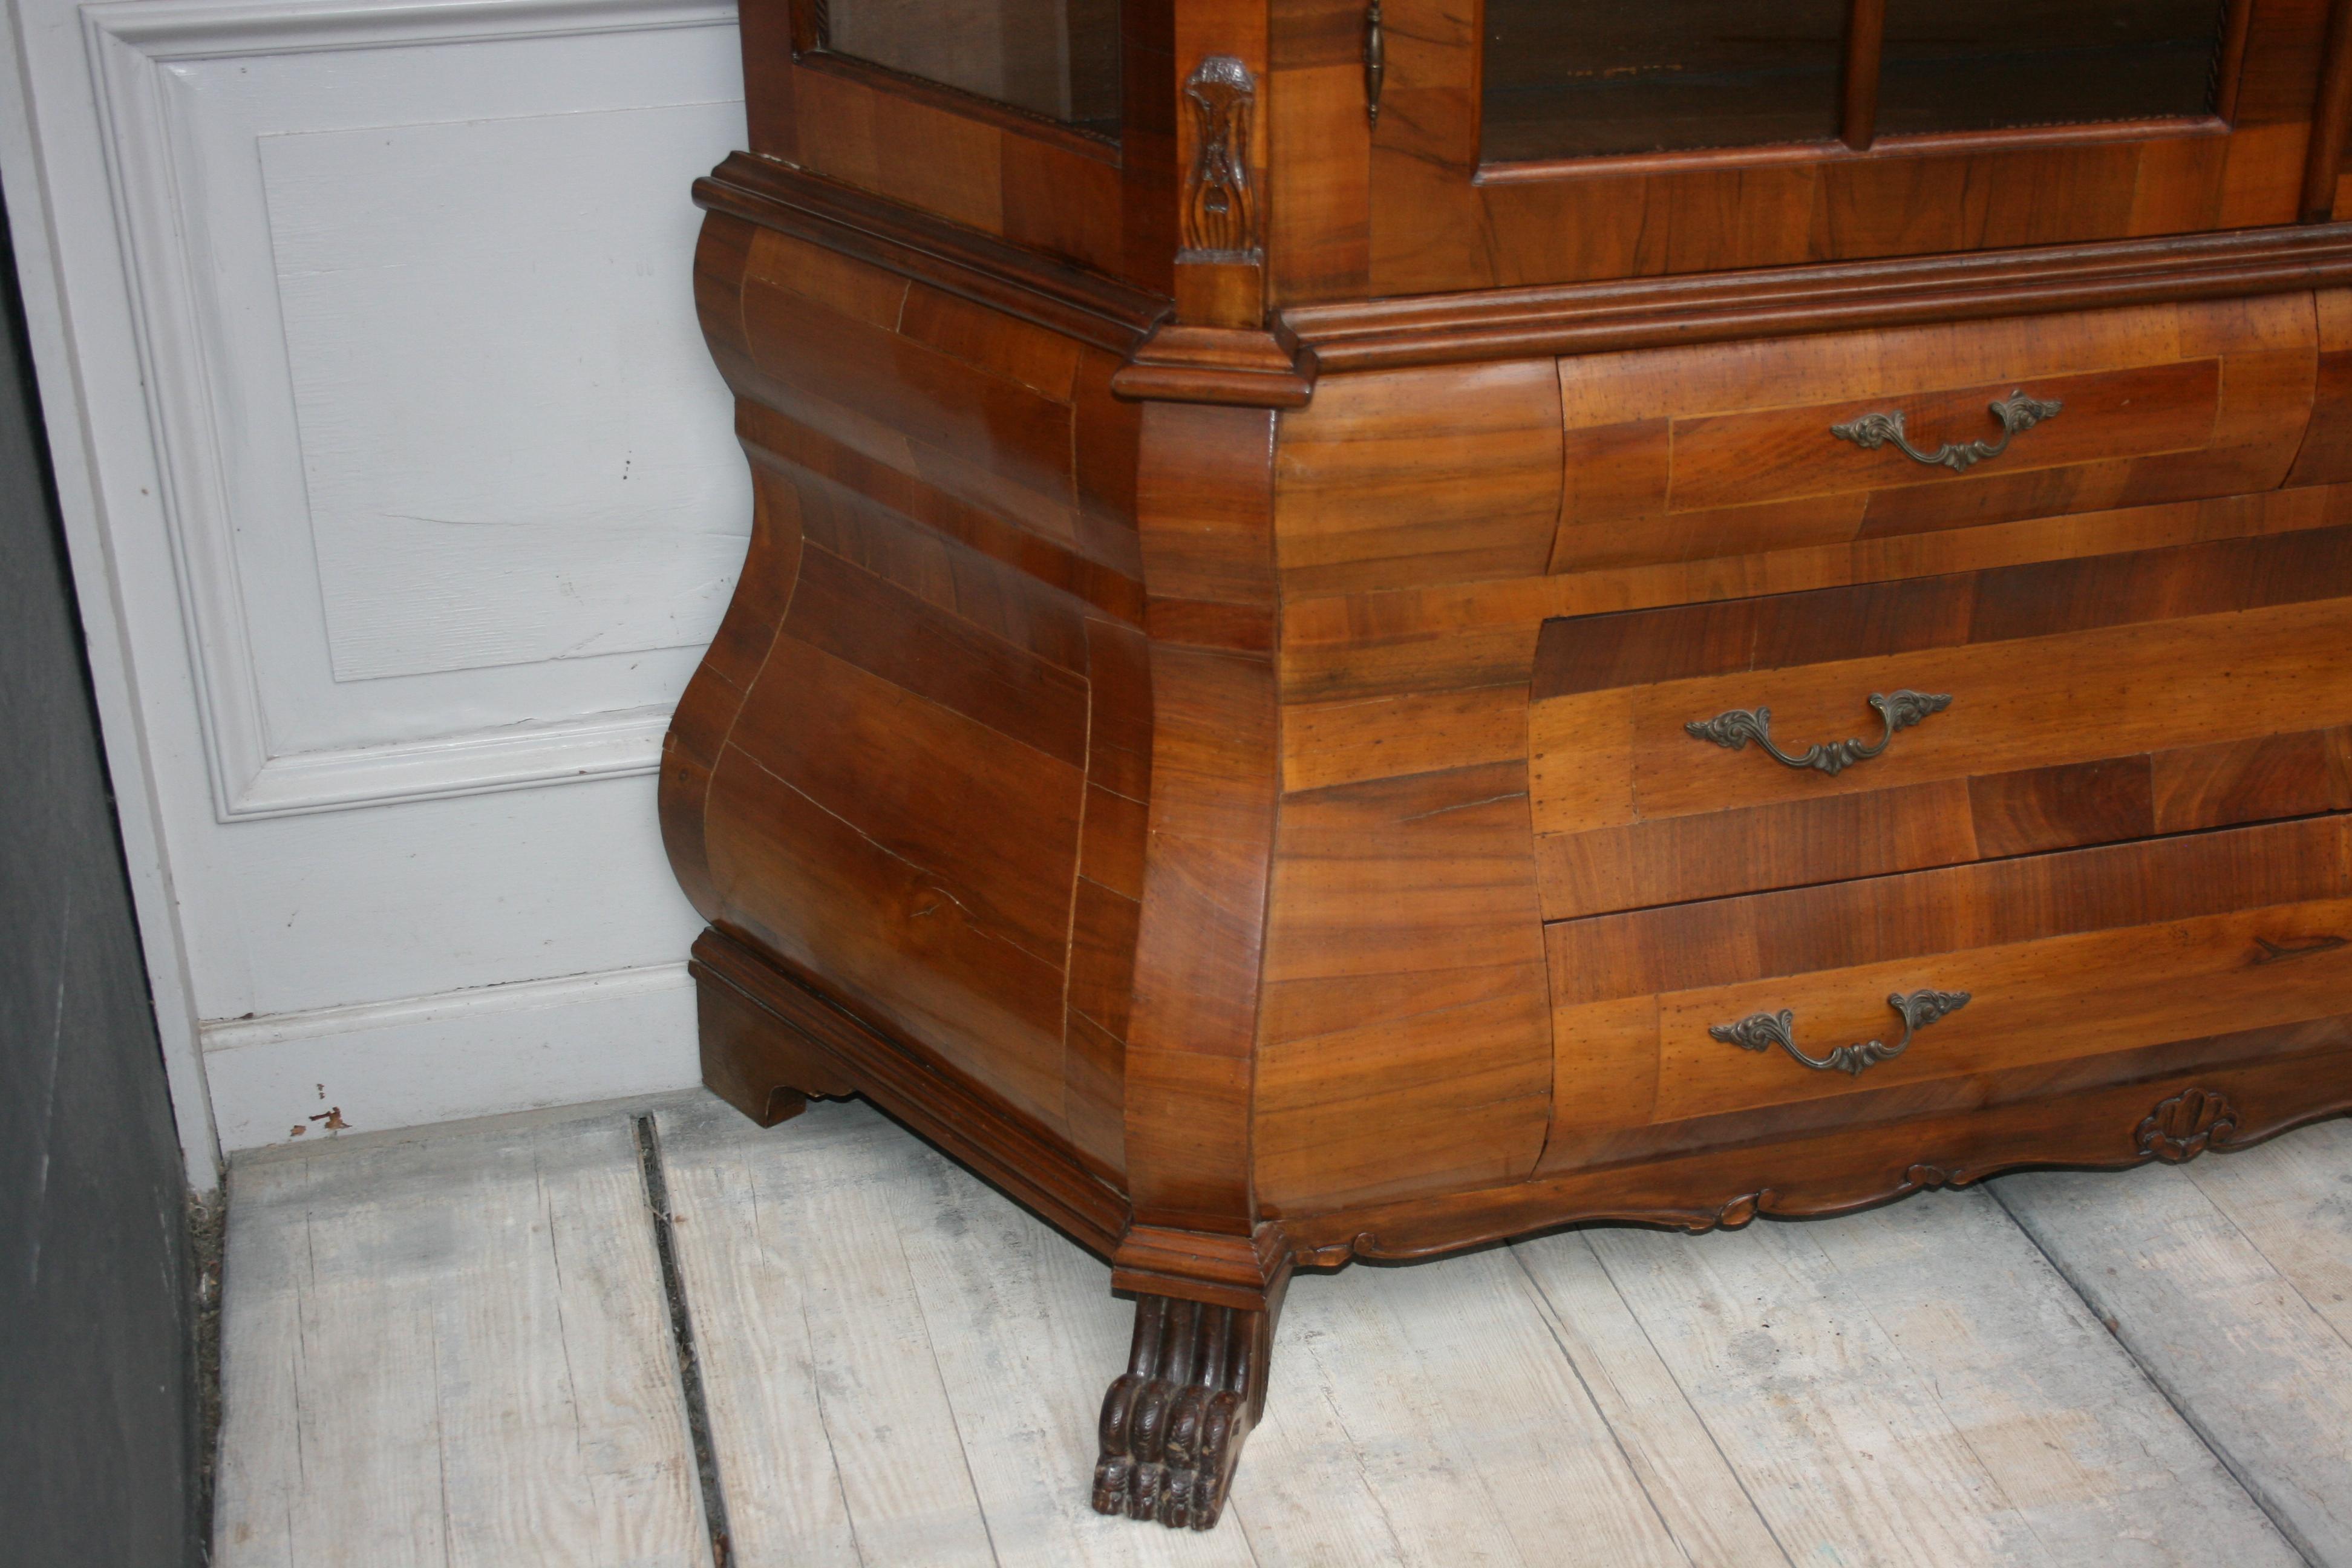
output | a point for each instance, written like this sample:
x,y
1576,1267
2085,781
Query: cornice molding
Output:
x,y
1058,296
1791,301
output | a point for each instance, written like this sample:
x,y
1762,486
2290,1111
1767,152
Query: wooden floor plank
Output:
x,y
903,1366
1026,1335
2227,1279
832,1433
1418,1416
1697,1494
2292,1197
452,1349
1469,1428
1917,1386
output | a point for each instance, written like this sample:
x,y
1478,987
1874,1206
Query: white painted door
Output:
x,y
401,498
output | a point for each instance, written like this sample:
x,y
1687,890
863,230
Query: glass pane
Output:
x,y
1991,63
1054,57
1566,78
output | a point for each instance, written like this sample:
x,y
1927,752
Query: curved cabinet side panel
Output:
x,y
707,713
915,860
912,772
707,709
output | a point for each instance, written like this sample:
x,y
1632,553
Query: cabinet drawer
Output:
x,y
1705,751
1665,1015
1683,454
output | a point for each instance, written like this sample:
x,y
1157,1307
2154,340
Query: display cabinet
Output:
x,y
1371,627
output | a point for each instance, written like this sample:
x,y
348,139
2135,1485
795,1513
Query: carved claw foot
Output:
x,y
1174,1423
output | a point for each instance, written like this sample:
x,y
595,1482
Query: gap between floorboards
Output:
x,y
681,1336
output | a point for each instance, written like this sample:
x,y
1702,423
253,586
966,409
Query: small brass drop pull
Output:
x,y
2016,412
1734,730
1917,1009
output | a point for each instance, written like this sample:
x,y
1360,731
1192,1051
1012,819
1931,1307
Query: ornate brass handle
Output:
x,y
1734,730
1762,1031
2016,412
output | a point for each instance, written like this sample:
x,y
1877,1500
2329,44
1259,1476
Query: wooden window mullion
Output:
x,y
1866,38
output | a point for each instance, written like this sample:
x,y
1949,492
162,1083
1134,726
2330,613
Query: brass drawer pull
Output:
x,y
1734,730
1762,1031
2016,412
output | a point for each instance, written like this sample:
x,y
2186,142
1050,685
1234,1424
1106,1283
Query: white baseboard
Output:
x,y
463,1053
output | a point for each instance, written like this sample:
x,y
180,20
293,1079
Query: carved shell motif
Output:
x,y
2185,1125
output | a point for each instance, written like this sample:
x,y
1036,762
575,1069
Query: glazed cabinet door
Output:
x,y
1526,141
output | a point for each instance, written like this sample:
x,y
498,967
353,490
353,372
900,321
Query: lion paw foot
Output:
x,y
1174,1423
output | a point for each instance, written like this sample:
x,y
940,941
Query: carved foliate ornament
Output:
x,y
1219,205
2187,1125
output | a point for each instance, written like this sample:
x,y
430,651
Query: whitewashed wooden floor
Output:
x,y
456,1347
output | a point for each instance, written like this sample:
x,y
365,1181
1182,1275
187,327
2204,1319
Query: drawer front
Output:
x,y
1683,453
1708,750
1668,1014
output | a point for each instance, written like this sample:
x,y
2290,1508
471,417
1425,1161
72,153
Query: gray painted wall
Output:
x,y
98,1406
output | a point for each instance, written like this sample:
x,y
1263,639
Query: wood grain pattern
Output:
x,y
2084,954
2326,450
958,493
1476,635
1420,477
1659,476
1404,1045
1801,300
2082,994
2208,714
1207,495
2273,650
1732,941
779,1040
961,939
803,1330
1202,732
1681,1175
1319,232
999,172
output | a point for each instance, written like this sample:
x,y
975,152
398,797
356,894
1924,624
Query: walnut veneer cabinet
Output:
x,y
1372,627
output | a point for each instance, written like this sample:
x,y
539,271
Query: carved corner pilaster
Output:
x,y
1220,205
1221,227
2187,1125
